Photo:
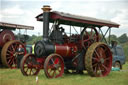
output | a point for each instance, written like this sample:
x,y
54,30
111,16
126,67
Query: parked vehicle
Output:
x,y
118,56
9,45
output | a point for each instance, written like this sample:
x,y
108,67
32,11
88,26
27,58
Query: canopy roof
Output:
x,y
76,20
4,25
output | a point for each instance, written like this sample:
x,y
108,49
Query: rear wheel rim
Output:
x,y
98,60
9,53
89,37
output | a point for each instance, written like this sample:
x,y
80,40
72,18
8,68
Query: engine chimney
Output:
x,y
46,14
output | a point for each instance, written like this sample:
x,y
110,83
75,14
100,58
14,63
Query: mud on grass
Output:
x,y
15,77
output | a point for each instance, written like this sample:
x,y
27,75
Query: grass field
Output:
x,y
14,77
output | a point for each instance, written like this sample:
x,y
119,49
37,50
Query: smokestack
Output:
x,y
46,14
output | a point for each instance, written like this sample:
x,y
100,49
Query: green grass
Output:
x,y
15,77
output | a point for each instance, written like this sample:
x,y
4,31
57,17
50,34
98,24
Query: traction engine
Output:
x,y
58,53
9,45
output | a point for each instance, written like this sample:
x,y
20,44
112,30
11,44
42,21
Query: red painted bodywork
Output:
x,y
68,50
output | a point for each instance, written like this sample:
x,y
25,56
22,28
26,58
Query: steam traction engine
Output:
x,y
9,44
58,52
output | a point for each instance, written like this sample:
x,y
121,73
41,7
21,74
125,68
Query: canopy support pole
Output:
x,y
103,35
109,35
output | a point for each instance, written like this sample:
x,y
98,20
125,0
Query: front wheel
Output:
x,y
54,66
29,66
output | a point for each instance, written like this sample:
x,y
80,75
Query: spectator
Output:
x,y
20,55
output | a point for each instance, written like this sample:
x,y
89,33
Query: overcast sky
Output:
x,y
25,11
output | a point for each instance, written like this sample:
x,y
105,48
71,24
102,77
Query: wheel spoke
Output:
x,y
106,59
30,71
100,71
26,70
97,54
10,60
95,69
102,53
91,32
9,57
49,71
53,74
33,72
25,66
13,61
59,69
95,59
52,61
7,54
10,52
92,35
105,68
13,48
87,33
95,37
30,60
51,66
86,40
94,65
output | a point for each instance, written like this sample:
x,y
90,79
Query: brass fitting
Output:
x,y
46,8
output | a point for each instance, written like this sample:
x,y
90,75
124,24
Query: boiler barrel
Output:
x,y
44,49
66,50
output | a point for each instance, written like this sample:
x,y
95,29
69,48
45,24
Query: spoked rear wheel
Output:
x,y
89,36
10,53
29,66
98,60
54,66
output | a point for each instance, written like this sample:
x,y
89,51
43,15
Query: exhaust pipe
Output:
x,y
46,14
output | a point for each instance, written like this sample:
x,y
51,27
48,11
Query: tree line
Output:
x,y
121,39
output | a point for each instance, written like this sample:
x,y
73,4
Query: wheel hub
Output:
x,y
102,60
15,54
56,66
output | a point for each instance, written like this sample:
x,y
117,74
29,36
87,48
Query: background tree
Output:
x,y
123,38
